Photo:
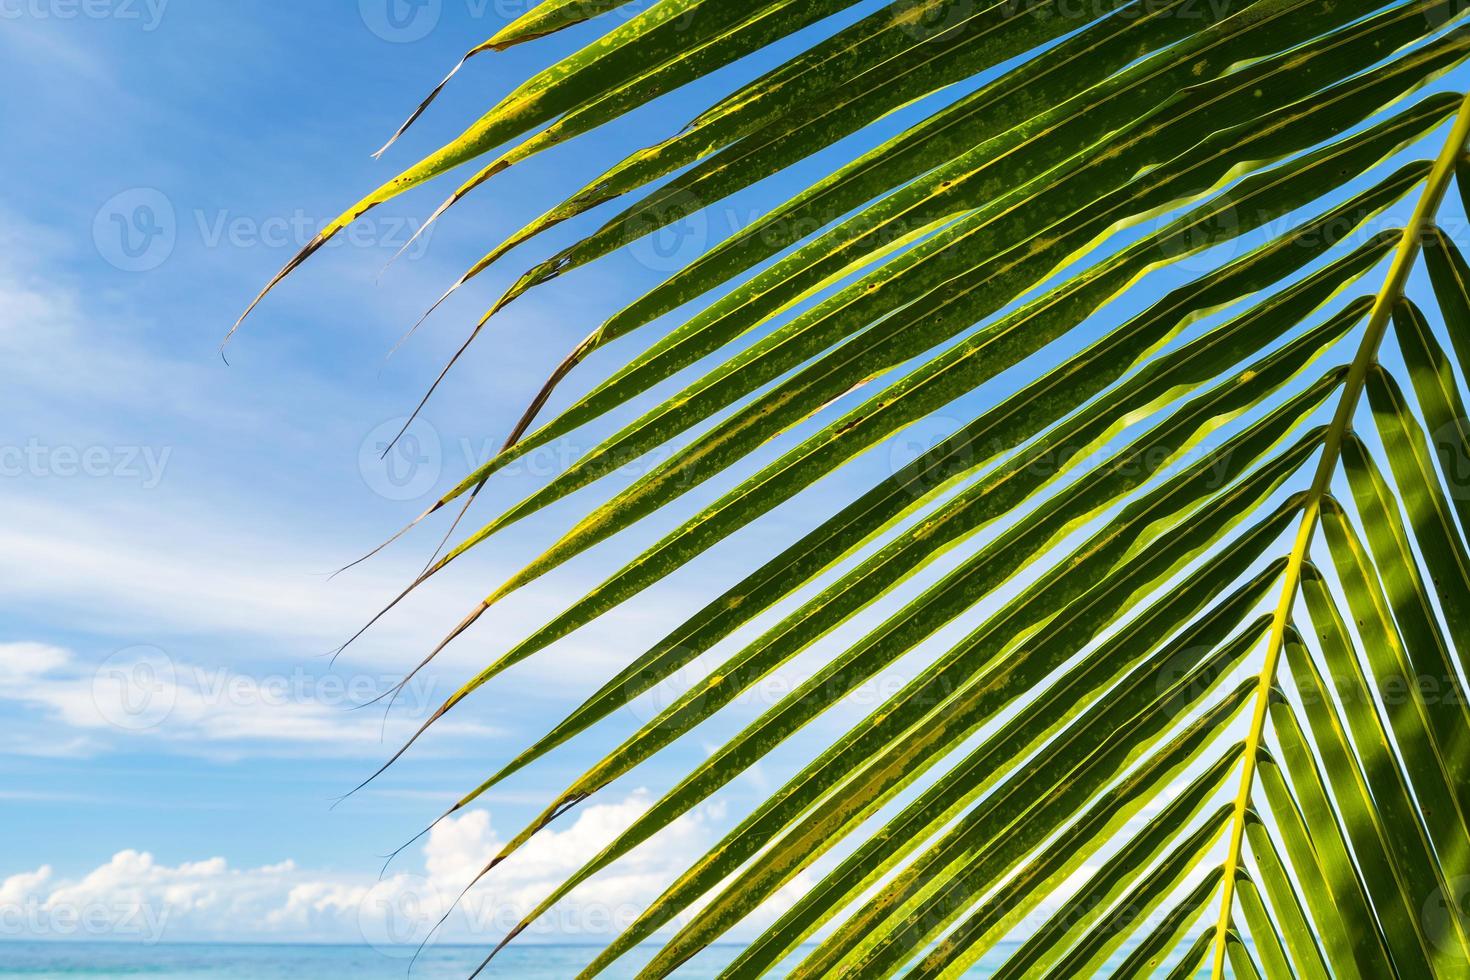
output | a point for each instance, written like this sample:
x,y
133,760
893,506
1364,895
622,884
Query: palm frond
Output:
x,y
1191,636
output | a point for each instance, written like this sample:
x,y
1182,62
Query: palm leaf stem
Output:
x,y
1367,354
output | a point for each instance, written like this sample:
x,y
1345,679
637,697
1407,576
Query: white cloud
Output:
x,y
135,897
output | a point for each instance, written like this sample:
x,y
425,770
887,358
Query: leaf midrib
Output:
x,y
1366,357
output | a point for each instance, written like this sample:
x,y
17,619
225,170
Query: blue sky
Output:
x,y
172,513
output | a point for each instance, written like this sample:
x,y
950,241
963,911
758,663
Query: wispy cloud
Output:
x,y
141,692
141,503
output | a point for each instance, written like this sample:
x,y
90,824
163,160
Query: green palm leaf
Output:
x,y
1189,610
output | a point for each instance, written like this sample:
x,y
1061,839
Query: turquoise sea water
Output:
x,y
68,961
58,960
47,960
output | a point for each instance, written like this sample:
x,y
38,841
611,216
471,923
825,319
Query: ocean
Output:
x,y
71,960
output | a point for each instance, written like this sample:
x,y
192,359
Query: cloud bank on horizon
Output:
x,y
135,896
